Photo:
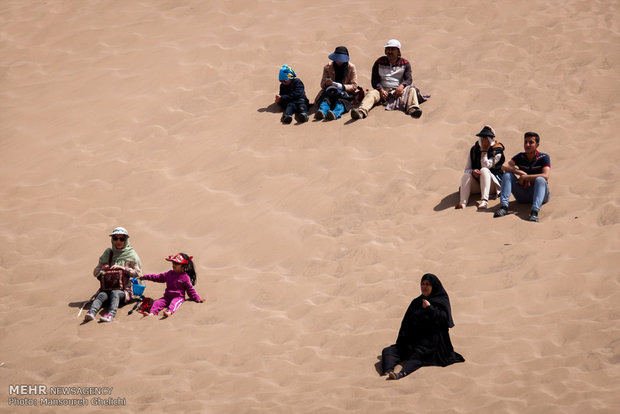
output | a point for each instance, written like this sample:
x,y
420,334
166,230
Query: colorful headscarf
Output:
x,y
121,256
286,73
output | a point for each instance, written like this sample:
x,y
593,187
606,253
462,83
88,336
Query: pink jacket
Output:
x,y
177,284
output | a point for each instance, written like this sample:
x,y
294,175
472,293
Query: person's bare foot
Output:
x,y
167,313
482,205
459,206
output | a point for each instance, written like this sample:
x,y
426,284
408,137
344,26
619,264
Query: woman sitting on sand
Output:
x,y
423,339
338,86
483,171
120,257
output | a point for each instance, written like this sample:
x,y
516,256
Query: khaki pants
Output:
x,y
373,97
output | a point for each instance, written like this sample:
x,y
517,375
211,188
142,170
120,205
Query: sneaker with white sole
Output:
x,y
108,317
90,316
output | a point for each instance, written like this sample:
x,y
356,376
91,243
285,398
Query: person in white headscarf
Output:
x,y
483,170
119,257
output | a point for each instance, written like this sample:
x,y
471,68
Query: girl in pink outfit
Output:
x,y
179,280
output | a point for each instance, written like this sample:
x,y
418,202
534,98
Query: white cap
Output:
x,y
392,43
119,230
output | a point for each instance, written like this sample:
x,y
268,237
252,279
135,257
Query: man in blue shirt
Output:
x,y
526,176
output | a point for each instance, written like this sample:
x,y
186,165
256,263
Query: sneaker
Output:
x,y
357,114
319,115
501,212
108,317
482,205
330,115
287,119
303,117
533,216
90,316
416,113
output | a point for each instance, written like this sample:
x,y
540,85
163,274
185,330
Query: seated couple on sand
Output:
x,y
119,266
391,80
526,175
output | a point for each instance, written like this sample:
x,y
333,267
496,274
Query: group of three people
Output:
x,y
392,82
423,338
525,176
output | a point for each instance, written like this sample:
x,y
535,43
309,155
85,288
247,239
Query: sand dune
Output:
x,y
309,239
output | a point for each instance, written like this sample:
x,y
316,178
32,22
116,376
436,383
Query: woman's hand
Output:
x,y
425,303
278,97
118,267
476,173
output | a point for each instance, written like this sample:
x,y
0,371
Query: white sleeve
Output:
x,y
468,168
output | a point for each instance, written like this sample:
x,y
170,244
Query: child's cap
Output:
x,y
286,73
178,258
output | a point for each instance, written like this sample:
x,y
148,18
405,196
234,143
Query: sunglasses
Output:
x,y
123,239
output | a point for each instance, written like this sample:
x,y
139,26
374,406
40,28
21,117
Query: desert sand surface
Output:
x,y
309,239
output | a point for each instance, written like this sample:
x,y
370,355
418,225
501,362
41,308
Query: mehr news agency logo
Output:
x,y
43,395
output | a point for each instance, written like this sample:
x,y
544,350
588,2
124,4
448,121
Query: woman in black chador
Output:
x,y
423,339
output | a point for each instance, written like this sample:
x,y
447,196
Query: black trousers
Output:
x,y
390,357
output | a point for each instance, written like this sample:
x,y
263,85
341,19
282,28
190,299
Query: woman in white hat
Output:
x,y
122,259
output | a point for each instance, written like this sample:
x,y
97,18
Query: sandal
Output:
x,y
396,376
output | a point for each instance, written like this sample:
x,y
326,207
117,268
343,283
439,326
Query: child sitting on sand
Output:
x,y
179,280
292,97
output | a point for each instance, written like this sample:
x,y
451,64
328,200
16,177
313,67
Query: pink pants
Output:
x,y
174,304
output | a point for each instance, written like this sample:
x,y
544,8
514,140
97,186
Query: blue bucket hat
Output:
x,y
341,54
286,73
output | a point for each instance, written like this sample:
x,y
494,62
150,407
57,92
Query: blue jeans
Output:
x,y
338,109
537,193
294,107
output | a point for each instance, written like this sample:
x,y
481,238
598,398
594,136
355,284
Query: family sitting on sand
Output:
x,y
391,80
120,263
526,175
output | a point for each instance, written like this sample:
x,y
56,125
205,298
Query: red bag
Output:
x,y
145,308
112,280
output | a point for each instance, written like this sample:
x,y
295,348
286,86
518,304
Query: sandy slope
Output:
x,y
309,239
